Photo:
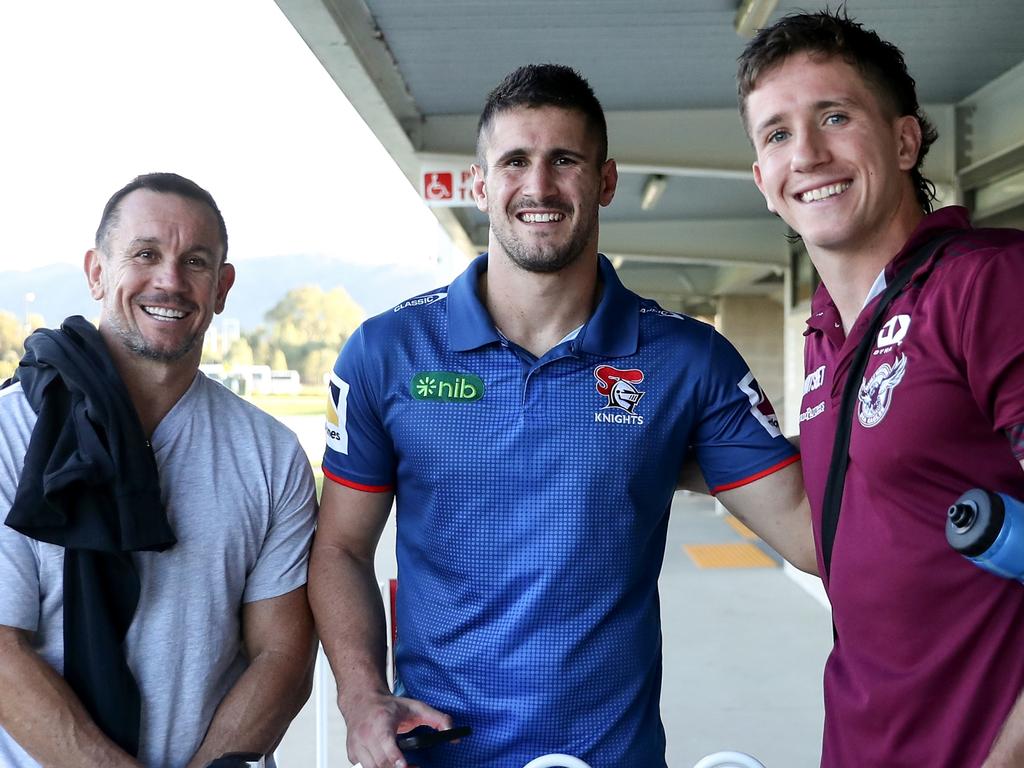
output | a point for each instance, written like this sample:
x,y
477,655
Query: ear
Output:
x,y
479,186
908,141
94,272
225,279
760,186
609,181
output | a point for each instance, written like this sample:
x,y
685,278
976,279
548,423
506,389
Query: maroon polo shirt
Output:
x,y
929,656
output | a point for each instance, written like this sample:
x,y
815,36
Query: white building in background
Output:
x,y
254,379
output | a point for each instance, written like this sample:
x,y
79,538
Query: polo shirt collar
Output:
x,y
824,314
612,331
469,324
614,328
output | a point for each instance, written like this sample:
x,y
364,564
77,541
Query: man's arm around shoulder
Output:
x,y
350,620
775,507
41,712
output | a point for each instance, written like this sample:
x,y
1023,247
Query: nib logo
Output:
x,y
446,387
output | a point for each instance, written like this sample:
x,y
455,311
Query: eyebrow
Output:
x,y
818,106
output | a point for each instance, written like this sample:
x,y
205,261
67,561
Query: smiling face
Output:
x,y
831,159
160,277
542,186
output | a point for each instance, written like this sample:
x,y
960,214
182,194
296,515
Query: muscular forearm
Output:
x,y
350,619
257,710
1008,751
41,712
281,645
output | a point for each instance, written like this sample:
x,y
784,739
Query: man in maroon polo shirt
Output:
x,y
928,664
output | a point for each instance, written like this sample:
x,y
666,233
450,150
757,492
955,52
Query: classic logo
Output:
x,y
420,301
446,387
662,312
894,331
337,413
760,406
619,387
875,394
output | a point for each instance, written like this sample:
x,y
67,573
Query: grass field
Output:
x,y
310,403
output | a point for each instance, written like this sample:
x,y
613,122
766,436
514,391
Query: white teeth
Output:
x,y
541,218
164,312
823,192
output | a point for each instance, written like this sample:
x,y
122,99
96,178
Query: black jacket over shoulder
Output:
x,y
90,485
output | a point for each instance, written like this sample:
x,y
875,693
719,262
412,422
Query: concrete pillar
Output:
x,y
754,325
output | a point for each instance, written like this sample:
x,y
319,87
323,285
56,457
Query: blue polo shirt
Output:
x,y
532,505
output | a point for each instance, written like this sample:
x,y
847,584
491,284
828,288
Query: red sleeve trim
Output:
x,y
358,486
758,476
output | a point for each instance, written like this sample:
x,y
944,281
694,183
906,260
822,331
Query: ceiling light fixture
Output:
x,y
752,15
654,188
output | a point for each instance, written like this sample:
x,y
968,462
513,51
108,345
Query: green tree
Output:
x,y
12,332
316,363
239,354
12,343
310,316
278,362
309,325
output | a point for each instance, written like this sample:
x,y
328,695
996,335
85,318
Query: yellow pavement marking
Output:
x,y
740,528
735,555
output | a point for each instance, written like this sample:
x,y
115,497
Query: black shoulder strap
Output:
x,y
841,447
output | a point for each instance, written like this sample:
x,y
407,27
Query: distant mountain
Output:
x,y
60,290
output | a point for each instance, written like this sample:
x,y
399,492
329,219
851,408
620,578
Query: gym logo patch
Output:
x,y
760,406
619,387
446,387
337,413
875,394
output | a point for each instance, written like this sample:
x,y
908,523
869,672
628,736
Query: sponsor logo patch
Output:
x,y
875,394
662,312
760,406
894,331
421,301
814,379
619,388
446,387
337,414
810,412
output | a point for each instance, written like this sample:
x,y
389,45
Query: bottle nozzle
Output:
x,y
962,515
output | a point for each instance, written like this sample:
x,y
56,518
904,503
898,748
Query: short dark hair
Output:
x,y
834,34
166,183
545,85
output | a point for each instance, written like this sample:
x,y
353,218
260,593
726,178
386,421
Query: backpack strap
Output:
x,y
836,481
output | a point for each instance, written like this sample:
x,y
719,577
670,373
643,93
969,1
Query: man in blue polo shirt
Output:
x,y
532,420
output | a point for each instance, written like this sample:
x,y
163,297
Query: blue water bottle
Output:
x,y
988,529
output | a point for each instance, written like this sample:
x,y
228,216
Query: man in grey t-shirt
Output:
x,y
221,643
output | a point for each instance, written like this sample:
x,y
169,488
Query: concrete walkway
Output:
x,y
744,650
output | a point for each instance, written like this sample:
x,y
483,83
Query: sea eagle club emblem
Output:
x,y
619,387
875,394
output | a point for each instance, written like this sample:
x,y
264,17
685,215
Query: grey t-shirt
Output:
x,y
240,497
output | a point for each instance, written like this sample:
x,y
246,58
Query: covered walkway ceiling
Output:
x,y
418,72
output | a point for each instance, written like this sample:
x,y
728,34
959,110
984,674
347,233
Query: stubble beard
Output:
x,y
133,340
545,258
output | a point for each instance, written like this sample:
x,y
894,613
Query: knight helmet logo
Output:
x,y
619,386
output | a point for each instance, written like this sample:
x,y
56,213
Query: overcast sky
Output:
x,y
225,92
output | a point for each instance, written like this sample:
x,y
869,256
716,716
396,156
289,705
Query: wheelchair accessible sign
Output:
x,y
446,185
